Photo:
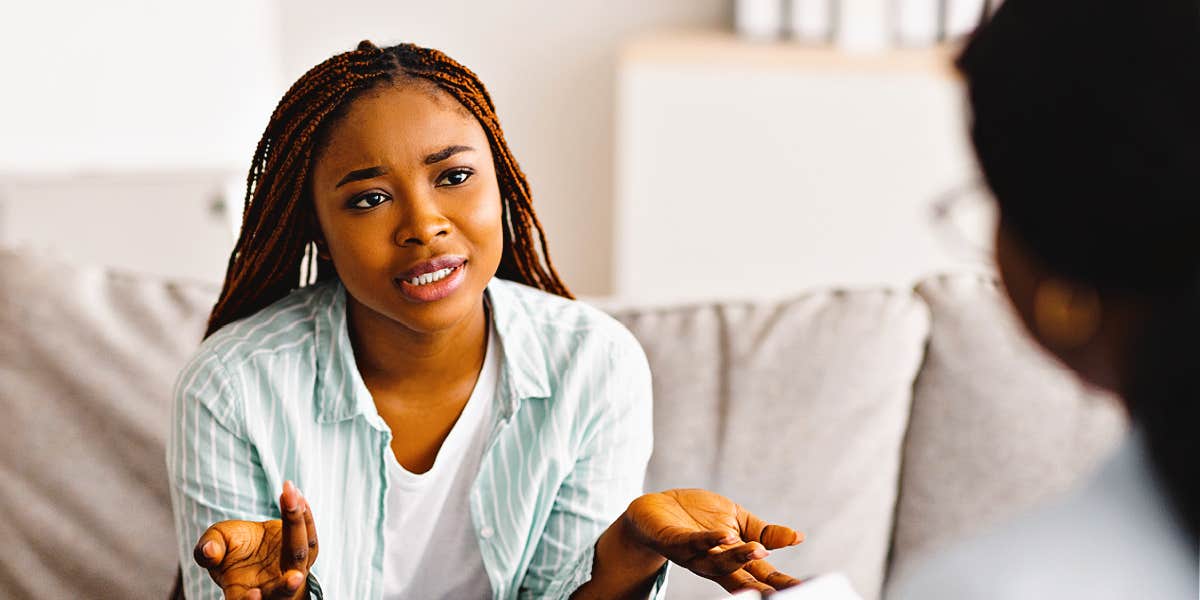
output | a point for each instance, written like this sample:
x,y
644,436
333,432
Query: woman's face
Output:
x,y
407,201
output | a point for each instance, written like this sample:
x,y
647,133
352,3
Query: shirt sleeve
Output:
x,y
214,471
608,474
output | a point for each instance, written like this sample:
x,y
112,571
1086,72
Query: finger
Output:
x,y
741,580
293,550
779,536
210,550
700,542
768,574
236,592
290,583
682,545
310,527
770,536
723,562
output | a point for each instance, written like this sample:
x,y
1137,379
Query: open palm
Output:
x,y
713,537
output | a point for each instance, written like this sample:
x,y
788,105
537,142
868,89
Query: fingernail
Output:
x,y
729,539
209,549
290,501
294,581
758,554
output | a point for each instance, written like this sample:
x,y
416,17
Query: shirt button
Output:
x,y
486,533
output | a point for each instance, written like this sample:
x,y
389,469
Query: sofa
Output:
x,y
883,423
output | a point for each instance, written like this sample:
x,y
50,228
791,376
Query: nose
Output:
x,y
422,222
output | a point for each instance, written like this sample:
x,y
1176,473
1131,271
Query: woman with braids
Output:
x,y
394,368
1087,128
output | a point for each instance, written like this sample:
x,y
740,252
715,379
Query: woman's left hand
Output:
x,y
712,536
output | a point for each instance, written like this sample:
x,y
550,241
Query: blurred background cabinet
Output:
x,y
746,169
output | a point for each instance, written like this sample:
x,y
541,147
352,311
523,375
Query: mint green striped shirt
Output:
x,y
278,396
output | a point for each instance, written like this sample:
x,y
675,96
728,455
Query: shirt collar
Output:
x,y
341,393
524,373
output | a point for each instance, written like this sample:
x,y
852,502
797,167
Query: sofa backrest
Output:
x,y
87,361
796,409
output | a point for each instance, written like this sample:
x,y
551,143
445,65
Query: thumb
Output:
x,y
210,550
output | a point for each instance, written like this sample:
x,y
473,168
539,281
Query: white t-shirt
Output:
x,y
431,548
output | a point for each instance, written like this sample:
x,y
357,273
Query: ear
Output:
x,y
318,237
1066,315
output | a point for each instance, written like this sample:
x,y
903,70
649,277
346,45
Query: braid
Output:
x,y
277,224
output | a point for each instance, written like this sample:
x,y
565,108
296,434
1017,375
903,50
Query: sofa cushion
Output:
x,y
796,409
87,360
996,426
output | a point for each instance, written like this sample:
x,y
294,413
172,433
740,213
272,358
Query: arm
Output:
x,y
614,442
223,513
704,532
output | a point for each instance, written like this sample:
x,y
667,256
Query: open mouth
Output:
x,y
433,280
434,277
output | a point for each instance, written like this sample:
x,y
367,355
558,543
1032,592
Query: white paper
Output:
x,y
917,22
832,586
759,19
962,17
863,26
810,20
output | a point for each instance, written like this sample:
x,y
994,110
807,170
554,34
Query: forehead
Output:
x,y
400,123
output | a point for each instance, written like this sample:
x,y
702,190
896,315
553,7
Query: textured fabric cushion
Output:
x,y
996,424
87,360
794,409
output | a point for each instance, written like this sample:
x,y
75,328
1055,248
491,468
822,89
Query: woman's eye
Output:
x,y
368,200
455,177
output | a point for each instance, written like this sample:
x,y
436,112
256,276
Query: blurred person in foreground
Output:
x,y
1087,129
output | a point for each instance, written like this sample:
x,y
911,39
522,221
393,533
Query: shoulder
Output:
x,y
285,326
564,326
1110,539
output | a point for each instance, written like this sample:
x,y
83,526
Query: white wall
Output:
x,y
148,86
135,84
550,66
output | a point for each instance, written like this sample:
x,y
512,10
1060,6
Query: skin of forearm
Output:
x,y
622,569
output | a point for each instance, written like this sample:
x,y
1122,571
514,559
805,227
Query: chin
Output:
x,y
437,316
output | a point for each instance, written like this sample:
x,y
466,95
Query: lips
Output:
x,y
435,279
432,266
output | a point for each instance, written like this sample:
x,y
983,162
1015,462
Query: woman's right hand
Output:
x,y
262,560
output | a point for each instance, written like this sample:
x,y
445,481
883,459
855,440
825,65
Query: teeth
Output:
x,y
429,278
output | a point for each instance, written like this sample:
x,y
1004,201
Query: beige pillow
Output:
x,y
795,409
997,425
87,361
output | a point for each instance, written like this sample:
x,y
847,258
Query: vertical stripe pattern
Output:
x,y
277,396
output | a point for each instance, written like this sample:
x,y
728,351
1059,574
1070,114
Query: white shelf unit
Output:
x,y
763,169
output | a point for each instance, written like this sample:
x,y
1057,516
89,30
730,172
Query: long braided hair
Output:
x,y
278,223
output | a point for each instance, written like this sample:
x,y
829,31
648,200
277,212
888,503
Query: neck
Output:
x,y
395,358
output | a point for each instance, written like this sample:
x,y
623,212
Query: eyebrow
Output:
x,y
445,153
366,173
